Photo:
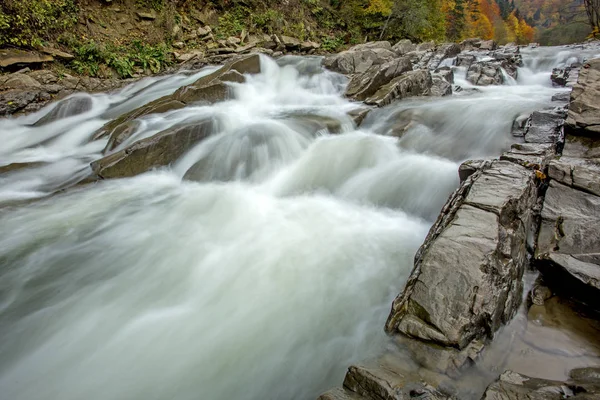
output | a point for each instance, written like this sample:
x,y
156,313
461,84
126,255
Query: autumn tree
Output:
x,y
592,9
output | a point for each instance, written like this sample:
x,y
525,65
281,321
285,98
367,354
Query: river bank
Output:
x,y
249,226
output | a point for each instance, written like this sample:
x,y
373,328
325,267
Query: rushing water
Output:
x,y
268,277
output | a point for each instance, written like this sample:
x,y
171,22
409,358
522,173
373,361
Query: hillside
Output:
x,y
120,37
556,21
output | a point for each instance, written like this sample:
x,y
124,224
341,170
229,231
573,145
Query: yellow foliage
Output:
x,y
383,7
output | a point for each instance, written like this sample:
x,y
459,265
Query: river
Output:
x,y
264,279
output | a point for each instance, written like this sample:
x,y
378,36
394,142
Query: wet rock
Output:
x,y
560,76
569,236
485,73
212,92
466,280
545,126
14,57
440,87
515,386
366,84
158,106
66,108
584,109
412,83
444,51
446,73
157,151
358,115
520,125
540,292
562,97
468,168
535,156
465,60
403,47
359,59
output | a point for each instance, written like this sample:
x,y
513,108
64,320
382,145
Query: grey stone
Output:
x,y
412,83
10,57
440,87
366,84
157,151
530,155
467,276
584,109
67,108
403,47
560,76
358,59
484,73
545,126
426,46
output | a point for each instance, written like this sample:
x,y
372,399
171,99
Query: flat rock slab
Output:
x,y
584,109
467,276
584,384
545,126
10,57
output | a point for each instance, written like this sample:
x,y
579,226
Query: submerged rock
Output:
x,y
66,108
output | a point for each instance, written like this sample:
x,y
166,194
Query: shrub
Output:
x,y
29,22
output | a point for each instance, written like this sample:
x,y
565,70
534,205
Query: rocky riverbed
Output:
x,y
196,206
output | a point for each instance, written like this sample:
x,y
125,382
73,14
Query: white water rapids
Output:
x,y
263,281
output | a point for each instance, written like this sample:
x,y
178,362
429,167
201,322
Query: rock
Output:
x,y
147,15
520,125
308,46
66,108
562,97
569,236
444,51
540,292
18,81
560,76
190,36
14,57
545,126
290,43
465,60
179,45
584,109
233,41
246,48
158,106
384,44
13,101
212,92
466,281
470,44
530,155
447,73
412,83
426,46
579,173
202,32
403,47
185,57
468,168
484,73
61,55
366,84
340,394
440,87
583,385
159,150
358,60
487,45
358,115
386,383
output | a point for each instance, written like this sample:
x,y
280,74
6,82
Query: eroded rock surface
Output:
x,y
584,109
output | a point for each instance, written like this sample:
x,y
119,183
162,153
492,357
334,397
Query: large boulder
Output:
x,y
440,86
560,76
584,109
157,151
444,51
66,108
15,58
467,278
412,83
366,84
359,59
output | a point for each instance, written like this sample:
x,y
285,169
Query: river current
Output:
x,y
267,277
